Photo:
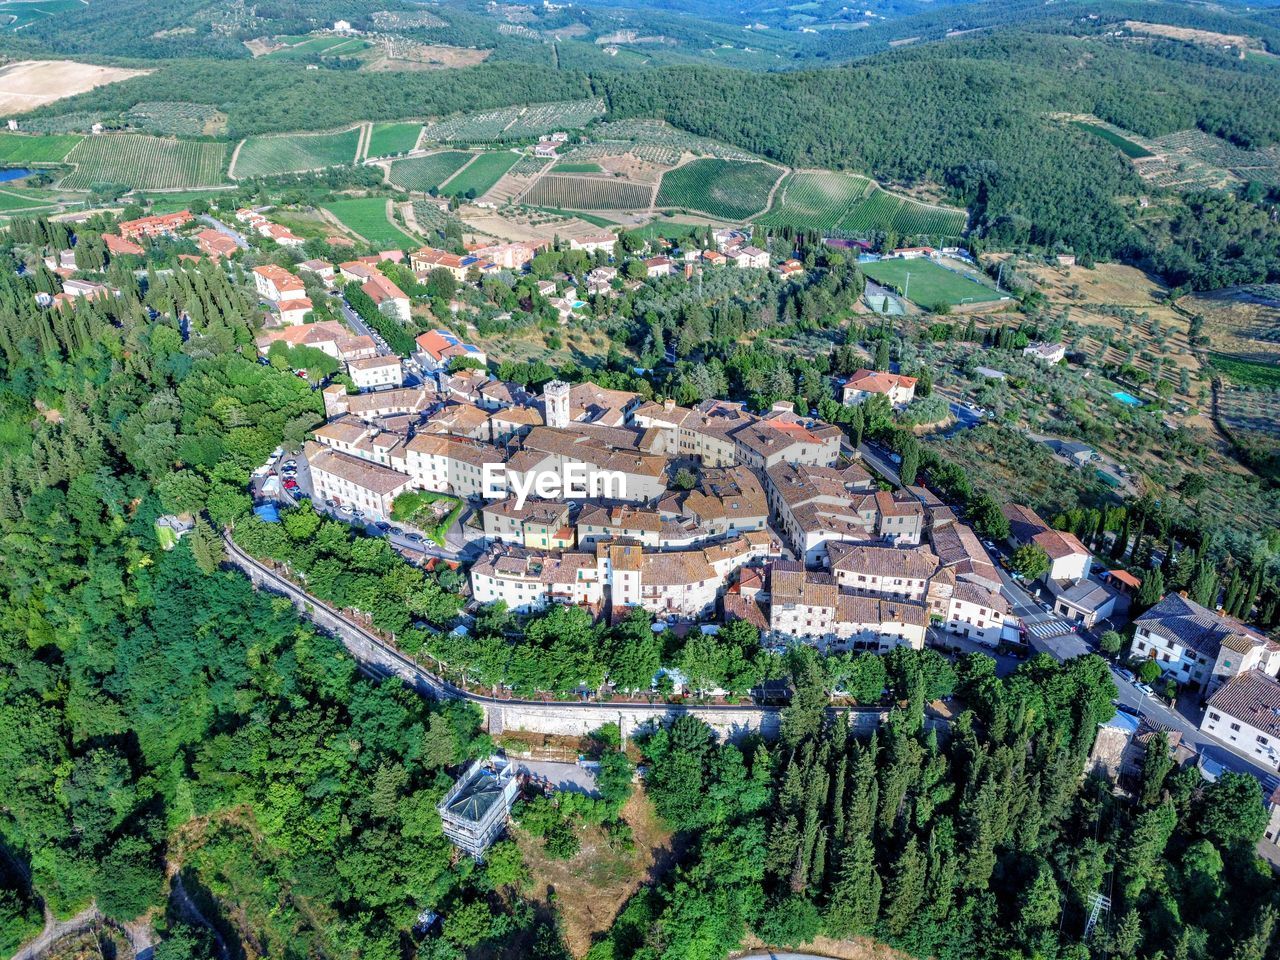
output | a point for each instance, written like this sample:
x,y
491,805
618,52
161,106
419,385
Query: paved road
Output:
x,y
880,464
361,327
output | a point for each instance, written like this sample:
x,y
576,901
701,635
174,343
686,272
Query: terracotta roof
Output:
x,y
1059,544
878,381
1253,698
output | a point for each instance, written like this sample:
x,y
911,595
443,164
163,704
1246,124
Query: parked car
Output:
x,y
383,526
291,464
414,537
1126,675
1144,689
1125,708
291,484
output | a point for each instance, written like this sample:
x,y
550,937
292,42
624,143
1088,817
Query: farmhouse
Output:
x,y
658,267
160,225
1046,353
899,389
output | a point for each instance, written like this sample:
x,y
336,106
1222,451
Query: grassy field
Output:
x,y
1127,147
1240,322
389,139
420,174
481,174
588,193
367,216
929,284
15,16
16,148
728,189
319,46
578,214
294,153
569,166
815,201
14,202
146,163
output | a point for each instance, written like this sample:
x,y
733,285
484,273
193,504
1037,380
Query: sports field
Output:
x,y
145,163
481,174
925,283
390,139
367,216
294,153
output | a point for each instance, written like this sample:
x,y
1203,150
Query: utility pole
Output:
x,y
1099,904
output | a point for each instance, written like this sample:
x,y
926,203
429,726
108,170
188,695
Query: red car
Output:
x,y
291,484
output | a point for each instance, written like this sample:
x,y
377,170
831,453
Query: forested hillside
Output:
x,y
159,714
976,844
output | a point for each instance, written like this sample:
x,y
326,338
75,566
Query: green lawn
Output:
x,y
432,513
569,166
928,285
389,139
367,216
14,202
481,174
17,148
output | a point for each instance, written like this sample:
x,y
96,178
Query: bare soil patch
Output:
x,y
436,56
592,888
28,84
1240,321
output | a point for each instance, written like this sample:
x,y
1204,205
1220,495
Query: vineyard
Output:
x,y
928,284
367,216
588,193
883,211
145,163
815,201
728,189
481,174
421,174
514,123
176,118
18,149
389,139
295,153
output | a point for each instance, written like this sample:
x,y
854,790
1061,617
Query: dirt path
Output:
x,y
366,137
453,176
55,930
235,155
768,203
410,220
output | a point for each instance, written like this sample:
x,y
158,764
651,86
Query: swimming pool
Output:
x,y
1128,399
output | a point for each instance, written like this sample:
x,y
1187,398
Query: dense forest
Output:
x,y
963,841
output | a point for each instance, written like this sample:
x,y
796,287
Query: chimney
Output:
x,y
669,404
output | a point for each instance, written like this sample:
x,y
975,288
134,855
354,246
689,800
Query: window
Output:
x,y
1235,727
1214,716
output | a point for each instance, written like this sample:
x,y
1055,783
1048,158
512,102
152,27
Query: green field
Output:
x,y
908,218
295,153
929,285
367,216
1127,147
389,139
319,46
481,174
728,189
145,163
1248,373
590,218
815,201
12,202
15,148
571,167
588,193
420,174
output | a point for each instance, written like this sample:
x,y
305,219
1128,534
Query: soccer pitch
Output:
x,y
929,284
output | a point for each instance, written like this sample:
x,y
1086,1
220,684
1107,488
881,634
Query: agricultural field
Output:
x,y
389,139
17,149
145,163
815,201
1126,146
14,202
480,174
367,216
1252,416
177,118
569,166
420,174
302,48
28,84
929,284
906,217
1241,322
728,189
514,123
588,193
659,142
1247,373
294,153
